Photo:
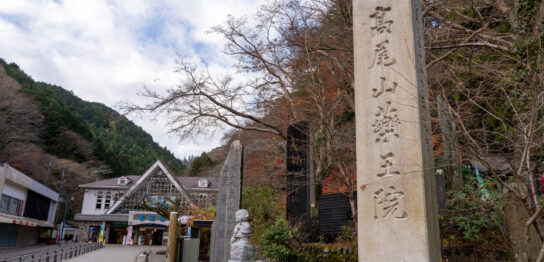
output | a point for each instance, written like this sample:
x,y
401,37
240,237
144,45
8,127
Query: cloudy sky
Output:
x,y
105,51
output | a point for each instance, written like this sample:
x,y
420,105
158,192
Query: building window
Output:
x,y
202,199
10,205
99,197
107,202
5,203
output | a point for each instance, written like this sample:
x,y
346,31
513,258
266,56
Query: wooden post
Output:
x,y
172,236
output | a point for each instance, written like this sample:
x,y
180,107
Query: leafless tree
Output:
x,y
20,118
296,62
485,58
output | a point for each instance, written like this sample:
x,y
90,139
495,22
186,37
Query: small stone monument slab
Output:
x,y
396,197
451,151
228,202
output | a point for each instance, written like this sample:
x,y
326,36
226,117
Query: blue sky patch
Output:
x,y
16,20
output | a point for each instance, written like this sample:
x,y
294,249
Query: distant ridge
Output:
x,y
74,129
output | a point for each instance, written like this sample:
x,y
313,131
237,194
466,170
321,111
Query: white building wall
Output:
x,y
52,211
16,184
16,177
3,175
90,197
89,203
14,190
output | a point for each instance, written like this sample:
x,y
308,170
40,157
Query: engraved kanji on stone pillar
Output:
x,y
385,86
387,166
382,55
386,123
387,203
381,24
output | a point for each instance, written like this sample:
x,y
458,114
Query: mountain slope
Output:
x,y
71,128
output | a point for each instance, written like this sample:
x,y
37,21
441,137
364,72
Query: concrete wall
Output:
x,y
2,177
14,190
23,180
17,184
83,232
52,211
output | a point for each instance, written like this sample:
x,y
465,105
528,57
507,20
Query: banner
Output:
x,y
129,236
101,234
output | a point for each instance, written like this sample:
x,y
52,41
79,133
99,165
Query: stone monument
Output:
x,y
300,187
228,201
240,248
396,198
451,151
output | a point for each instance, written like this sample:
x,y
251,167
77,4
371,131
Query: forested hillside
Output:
x,y
69,120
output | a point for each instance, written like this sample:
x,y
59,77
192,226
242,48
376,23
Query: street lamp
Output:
x,y
69,197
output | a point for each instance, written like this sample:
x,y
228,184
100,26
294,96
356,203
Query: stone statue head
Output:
x,y
242,215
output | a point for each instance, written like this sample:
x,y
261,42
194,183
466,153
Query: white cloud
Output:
x,y
105,51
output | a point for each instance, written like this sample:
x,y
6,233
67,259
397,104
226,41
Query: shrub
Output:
x,y
280,243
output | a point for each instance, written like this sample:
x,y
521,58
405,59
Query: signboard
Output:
x,y
184,220
101,234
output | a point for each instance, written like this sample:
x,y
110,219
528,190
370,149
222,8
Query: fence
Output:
x,y
55,255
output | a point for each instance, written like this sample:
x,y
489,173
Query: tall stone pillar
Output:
x,y
229,201
396,199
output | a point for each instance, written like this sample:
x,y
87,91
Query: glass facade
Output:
x,y
156,189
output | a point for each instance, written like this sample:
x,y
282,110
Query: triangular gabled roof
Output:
x,y
144,177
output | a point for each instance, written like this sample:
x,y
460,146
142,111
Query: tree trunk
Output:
x,y
515,217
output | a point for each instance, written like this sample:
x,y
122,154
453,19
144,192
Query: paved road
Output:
x,y
114,253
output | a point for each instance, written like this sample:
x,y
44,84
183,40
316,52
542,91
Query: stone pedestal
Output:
x,y
396,198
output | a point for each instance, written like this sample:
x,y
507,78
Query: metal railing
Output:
x,y
55,255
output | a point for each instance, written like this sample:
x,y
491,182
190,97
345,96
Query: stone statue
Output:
x,y
240,248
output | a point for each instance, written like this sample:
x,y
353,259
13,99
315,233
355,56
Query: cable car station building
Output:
x,y
118,205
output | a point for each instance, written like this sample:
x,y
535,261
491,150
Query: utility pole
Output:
x,y
48,172
61,238
63,221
